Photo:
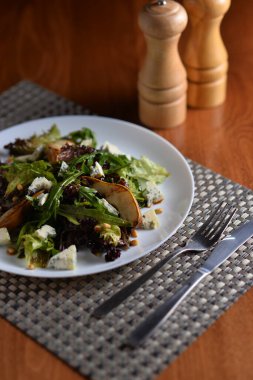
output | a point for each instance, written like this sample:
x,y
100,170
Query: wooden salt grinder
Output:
x,y
204,55
162,81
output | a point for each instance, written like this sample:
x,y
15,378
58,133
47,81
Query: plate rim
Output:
x,y
113,265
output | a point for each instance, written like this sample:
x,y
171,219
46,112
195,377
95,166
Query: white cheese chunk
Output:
x,y
152,193
45,231
149,220
109,207
40,183
113,149
86,142
4,236
65,260
42,199
63,168
97,171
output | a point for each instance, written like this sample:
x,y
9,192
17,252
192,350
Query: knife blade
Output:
x,y
220,254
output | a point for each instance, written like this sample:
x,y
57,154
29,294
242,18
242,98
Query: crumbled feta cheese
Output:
x,y
65,260
113,149
149,220
152,193
40,183
86,142
97,171
45,231
4,236
63,168
42,199
109,207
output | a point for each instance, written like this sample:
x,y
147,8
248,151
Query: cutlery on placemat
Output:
x,y
205,237
220,253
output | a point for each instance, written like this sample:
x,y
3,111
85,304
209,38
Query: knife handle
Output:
x,y
163,312
124,293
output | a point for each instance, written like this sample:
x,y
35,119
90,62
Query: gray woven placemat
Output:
x,y
56,312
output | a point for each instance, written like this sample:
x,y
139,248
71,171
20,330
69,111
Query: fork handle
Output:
x,y
124,293
163,312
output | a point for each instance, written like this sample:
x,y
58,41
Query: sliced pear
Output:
x,y
120,197
53,149
13,217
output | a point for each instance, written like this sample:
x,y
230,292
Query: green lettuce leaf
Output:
x,y
27,146
27,228
37,251
145,169
51,135
110,235
24,173
139,172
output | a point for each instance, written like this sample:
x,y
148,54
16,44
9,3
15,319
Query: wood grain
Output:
x,y
162,81
91,52
204,53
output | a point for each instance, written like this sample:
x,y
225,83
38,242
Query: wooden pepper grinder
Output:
x,y
204,55
162,81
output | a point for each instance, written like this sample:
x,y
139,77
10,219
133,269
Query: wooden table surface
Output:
x,y
91,52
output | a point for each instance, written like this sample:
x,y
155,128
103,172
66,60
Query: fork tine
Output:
x,y
212,217
221,212
222,226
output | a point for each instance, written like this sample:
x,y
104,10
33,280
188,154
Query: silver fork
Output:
x,y
205,237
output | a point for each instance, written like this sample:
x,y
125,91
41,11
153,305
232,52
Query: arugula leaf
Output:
x,y
72,219
86,161
53,201
82,212
116,162
82,163
89,195
89,198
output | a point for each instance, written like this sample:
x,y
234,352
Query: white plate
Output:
x,y
178,189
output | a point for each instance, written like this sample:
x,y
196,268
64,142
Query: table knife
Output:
x,y
220,253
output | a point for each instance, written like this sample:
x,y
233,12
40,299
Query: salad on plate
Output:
x,y
59,194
